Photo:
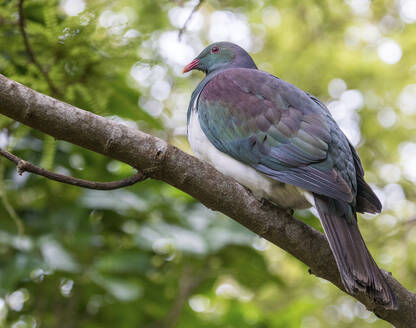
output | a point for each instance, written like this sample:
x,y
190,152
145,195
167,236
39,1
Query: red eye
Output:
x,y
214,50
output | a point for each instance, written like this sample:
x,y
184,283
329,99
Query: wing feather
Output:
x,y
278,129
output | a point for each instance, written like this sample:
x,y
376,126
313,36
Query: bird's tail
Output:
x,y
358,270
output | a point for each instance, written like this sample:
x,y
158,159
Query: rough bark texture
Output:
x,y
159,160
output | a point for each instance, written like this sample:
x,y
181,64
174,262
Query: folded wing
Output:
x,y
278,129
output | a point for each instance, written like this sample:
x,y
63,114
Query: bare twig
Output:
x,y
23,166
190,279
188,282
5,21
194,10
409,221
9,208
31,54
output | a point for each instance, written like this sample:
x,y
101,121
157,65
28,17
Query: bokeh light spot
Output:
x,y
407,99
408,11
389,52
73,7
336,87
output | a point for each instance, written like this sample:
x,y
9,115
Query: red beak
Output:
x,y
191,66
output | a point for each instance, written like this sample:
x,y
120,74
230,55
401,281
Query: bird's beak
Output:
x,y
191,66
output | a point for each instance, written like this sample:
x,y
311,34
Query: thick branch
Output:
x,y
165,162
31,54
23,166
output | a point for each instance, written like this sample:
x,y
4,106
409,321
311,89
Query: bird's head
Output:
x,y
219,56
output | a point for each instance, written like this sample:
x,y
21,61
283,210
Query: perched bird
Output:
x,y
283,144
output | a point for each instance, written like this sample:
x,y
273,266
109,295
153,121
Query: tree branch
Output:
x,y
185,25
12,213
23,166
164,162
5,21
188,282
31,54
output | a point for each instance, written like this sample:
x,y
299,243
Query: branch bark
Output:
x,y
159,160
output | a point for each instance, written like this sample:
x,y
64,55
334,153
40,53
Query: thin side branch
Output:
x,y
31,54
194,10
409,221
4,199
188,283
5,21
25,166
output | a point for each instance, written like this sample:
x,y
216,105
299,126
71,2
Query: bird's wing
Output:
x,y
278,129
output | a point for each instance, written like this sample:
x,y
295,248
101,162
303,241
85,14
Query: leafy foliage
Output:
x,y
149,255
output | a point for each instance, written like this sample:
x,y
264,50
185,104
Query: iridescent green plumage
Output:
x,y
271,125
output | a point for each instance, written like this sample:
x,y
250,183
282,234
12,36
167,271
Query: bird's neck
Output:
x,y
198,90
238,62
242,63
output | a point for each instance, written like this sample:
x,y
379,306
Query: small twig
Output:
x,y
5,21
194,10
409,221
188,282
23,166
9,208
31,54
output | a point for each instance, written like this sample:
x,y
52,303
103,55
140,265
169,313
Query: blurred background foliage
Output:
x,y
149,255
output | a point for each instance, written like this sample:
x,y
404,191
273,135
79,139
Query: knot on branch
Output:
x,y
22,166
264,229
108,145
161,151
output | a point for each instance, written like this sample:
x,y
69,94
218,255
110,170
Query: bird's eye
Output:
x,y
214,50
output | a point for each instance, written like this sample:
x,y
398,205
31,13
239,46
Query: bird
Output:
x,y
282,144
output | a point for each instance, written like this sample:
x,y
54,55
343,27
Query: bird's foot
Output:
x,y
260,199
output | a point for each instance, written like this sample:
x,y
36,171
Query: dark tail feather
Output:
x,y
358,270
367,201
